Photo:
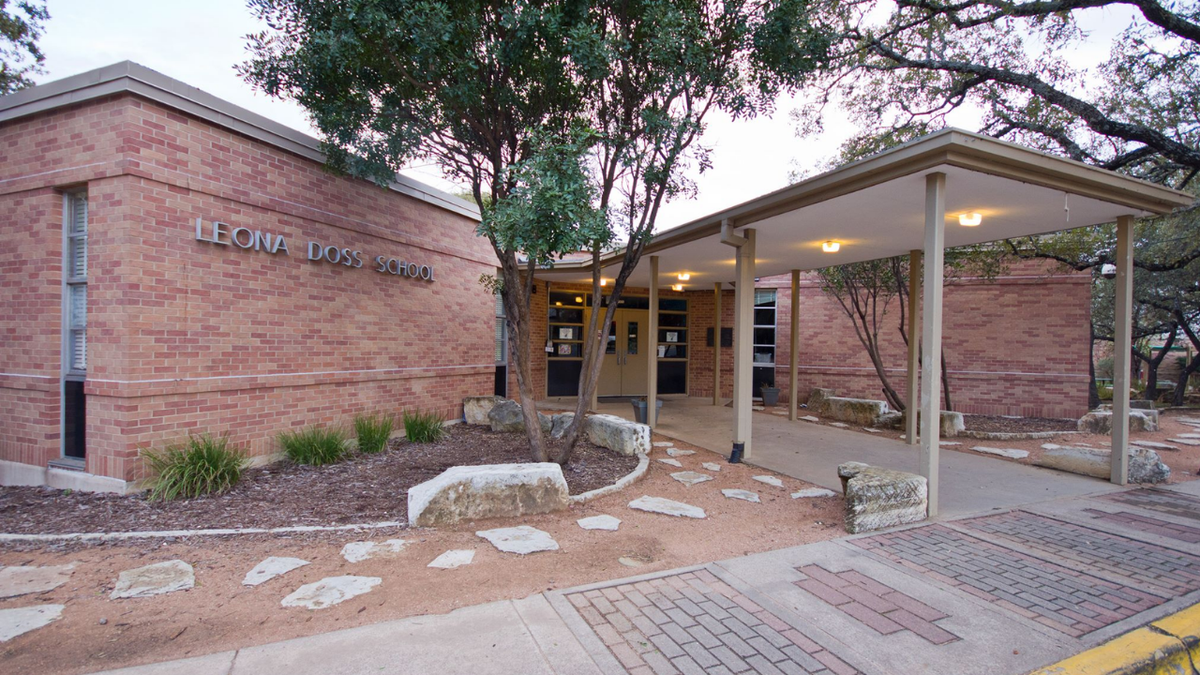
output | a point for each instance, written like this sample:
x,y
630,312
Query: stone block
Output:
x,y
1141,404
877,498
857,411
1145,466
476,409
1100,421
508,416
487,491
559,424
817,399
618,434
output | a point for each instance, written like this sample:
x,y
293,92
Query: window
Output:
x,y
764,339
501,333
75,277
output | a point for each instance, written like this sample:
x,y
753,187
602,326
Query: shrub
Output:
x,y
314,445
199,466
373,431
423,427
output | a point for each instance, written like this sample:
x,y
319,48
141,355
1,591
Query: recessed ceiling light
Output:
x,y
677,287
684,276
970,219
579,299
831,246
558,303
603,281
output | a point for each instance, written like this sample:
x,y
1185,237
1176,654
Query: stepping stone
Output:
x,y
809,418
330,591
711,466
358,551
156,579
667,507
744,495
662,444
21,620
1152,444
757,407
672,462
869,430
676,452
630,562
451,559
810,493
946,444
270,568
1185,441
1011,453
690,478
1188,435
769,480
600,523
19,580
521,540
840,425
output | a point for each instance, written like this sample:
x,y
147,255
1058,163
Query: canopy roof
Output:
x,y
875,208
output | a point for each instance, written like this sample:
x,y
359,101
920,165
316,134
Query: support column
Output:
x,y
931,333
651,341
743,353
794,364
914,347
717,344
1122,344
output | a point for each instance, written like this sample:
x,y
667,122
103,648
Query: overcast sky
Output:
x,y
201,42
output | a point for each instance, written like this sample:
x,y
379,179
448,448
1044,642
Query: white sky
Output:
x,y
201,42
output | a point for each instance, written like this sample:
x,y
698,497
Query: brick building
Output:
x,y
173,264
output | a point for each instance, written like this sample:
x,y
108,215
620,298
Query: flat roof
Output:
x,y
875,207
134,78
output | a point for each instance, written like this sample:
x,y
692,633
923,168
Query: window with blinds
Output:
x,y
76,282
501,333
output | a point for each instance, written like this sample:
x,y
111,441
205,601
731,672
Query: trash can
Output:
x,y
770,395
639,410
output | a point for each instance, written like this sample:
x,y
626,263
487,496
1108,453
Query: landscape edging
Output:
x,y
627,480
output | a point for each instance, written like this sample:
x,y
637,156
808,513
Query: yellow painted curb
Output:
x,y
1169,646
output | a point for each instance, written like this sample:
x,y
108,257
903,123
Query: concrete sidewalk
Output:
x,y
996,594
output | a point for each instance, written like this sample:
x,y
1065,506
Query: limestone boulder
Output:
x,y
476,409
488,491
508,416
1145,466
952,423
559,424
877,498
817,399
618,434
1141,404
1100,421
857,411
889,420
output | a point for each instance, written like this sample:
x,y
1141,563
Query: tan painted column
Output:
x,y
931,333
717,343
743,352
914,346
1122,344
794,364
651,340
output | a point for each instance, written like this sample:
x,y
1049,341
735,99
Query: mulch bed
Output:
x,y
997,423
363,489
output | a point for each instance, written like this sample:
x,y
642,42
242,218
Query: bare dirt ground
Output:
x,y
362,489
220,613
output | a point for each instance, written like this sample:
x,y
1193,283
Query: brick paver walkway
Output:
x,y
1157,526
694,623
880,607
1172,503
1163,570
1068,601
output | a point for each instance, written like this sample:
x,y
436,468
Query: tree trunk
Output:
x,y
515,293
1093,390
1152,363
946,383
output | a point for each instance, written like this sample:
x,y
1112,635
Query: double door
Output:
x,y
623,372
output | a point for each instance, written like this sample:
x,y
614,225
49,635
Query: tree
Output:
x,y
570,121
20,30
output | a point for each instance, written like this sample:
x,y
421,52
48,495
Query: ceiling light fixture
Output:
x,y
970,219
579,299
677,287
684,276
603,281
831,246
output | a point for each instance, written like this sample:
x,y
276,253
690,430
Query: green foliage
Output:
x,y
425,427
373,432
199,466
20,30
1105,391
315,446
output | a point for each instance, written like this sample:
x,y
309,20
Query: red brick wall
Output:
x,y
186,336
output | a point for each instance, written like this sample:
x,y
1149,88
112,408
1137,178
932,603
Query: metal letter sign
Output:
x,y
222,234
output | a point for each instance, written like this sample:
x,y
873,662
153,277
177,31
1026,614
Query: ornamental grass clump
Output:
x,y
373,432
422,427
199,466
315,446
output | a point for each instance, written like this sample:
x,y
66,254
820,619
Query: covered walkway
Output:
x,y
812,452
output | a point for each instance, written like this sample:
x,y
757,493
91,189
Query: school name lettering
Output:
x,y
223,234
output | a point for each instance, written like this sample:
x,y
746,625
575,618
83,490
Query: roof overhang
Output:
x,y
875,208
128,77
